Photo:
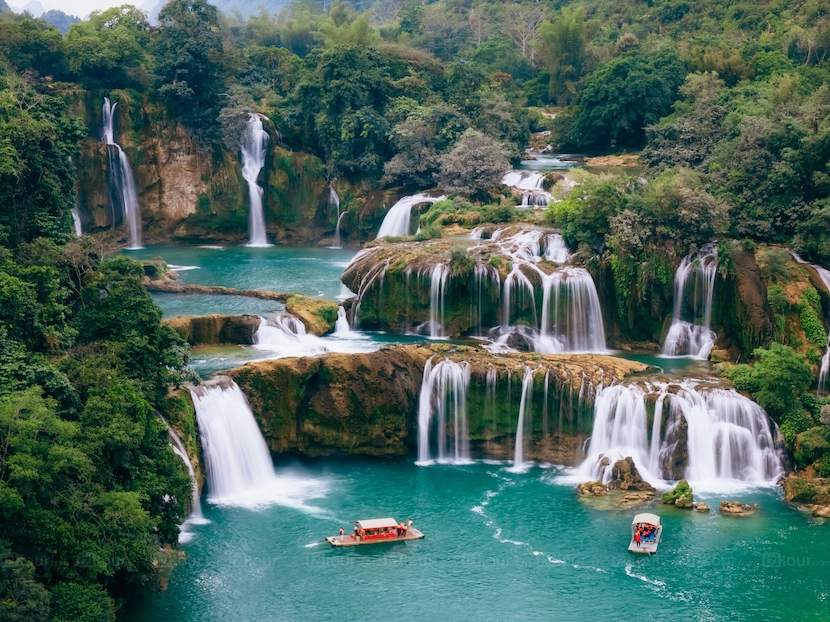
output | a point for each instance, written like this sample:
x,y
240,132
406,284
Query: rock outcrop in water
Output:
x,y
200,330
681,496
368,403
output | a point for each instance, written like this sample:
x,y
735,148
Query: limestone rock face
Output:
x,y
368,403
592,489
216,329
736,508
701,507
799,488
821,511
625,476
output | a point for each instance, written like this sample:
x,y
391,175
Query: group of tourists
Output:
x,y
400,530
645,533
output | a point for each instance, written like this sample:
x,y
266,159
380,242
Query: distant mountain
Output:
x,y
60,20
250,7
4,8
34,8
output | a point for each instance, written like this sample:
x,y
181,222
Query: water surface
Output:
x,y
498,546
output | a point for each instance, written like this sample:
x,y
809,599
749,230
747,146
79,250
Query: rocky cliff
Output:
x,y
368,403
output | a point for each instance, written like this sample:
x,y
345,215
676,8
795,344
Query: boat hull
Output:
x,y
348,540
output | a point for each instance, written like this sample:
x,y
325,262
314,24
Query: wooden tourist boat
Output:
x,y
654,530
376,531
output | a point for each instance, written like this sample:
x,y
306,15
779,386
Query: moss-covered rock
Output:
x,y
681,496
802,488
216,329
318,316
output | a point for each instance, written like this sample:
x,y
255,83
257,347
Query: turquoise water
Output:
x,y
173,305
498,546
308,271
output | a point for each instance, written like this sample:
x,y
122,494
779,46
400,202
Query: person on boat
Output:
x,y
342,532
409,524
637,538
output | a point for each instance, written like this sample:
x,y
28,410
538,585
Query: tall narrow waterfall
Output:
x,y
254,149
334,201
524,414
711,437
239,466
196,517
690,333
396,221
76,221
442,405
439,277
120,179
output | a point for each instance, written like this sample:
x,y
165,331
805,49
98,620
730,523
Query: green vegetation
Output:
x,y
680,496
89,487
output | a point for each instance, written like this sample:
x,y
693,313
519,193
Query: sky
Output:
x,y
80,8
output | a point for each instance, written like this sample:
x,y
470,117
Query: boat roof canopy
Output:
x,y
650,519
378,523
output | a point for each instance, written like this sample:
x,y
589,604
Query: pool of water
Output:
x,y
207,360
499,546
309,271
173,305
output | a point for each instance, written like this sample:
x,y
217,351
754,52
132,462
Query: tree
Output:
x,y
22,598
521,23
564,53
189,59
624,96
478,26
110,44
475,166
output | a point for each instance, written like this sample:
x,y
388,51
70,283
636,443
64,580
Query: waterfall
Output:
x,y
824,365
571,314
396,221
196,517
120,180
237,460
726,437
555,249
524,413
690,333
284,335
334,200
443,397
341,327
531,185
439,276
254,149
76,220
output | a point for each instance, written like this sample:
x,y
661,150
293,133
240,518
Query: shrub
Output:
x,y
460,263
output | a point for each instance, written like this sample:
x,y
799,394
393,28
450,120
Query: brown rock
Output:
x,y
624,476
822,511
736,508
215,329
592,489
701,507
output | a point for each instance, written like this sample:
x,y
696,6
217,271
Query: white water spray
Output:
x,y
444,397
396,222
524,413
120,180
690,333
531,185
254,149
76,221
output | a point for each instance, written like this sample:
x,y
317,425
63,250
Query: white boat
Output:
x,y
650,529
376,531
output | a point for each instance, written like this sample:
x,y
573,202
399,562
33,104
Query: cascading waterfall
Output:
x,y
254,149
397,221
443,398
531,185
334,201
524,413
238,463
824,365
727,437
341,327
571,315
76,221
690,333
439,277
120,180
284,335
196,517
